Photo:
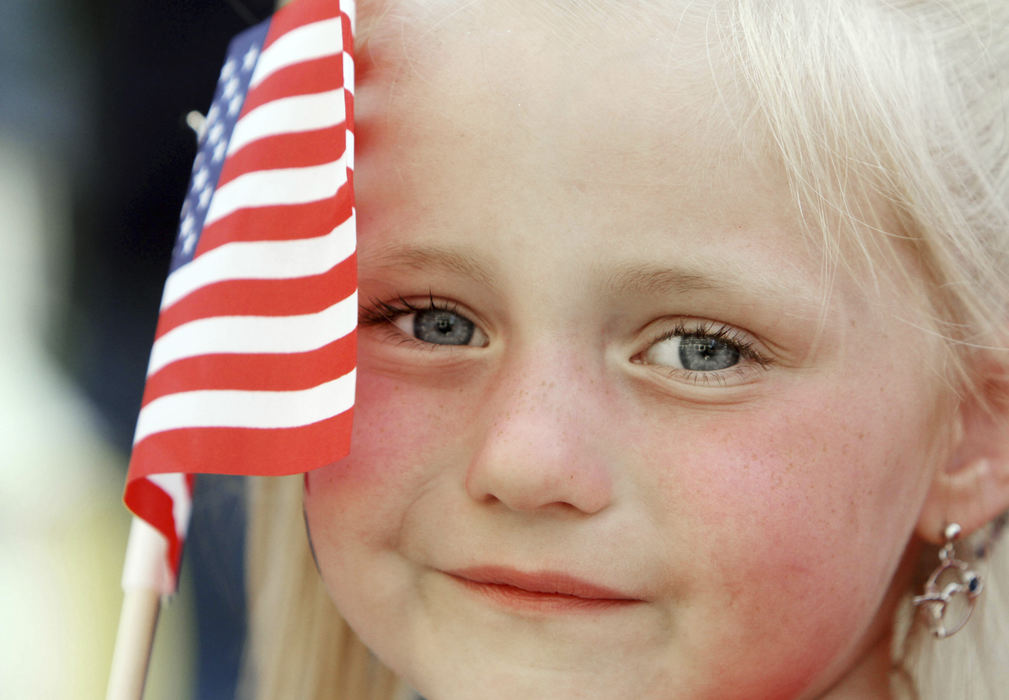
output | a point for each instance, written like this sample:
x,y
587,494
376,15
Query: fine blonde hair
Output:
x,y
896,106
299,648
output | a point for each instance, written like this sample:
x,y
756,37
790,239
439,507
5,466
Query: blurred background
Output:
x,y
94,161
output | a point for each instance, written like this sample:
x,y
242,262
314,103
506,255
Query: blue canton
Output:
x,y
232,87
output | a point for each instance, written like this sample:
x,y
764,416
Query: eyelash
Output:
x,y
383,313
380,313
709,330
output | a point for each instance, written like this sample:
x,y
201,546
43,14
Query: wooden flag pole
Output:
x,y
134,641
144,582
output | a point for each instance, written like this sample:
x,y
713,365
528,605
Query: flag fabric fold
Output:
x,y
252,366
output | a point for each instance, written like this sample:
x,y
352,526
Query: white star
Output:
x,y
187,225
187,244
205,197
234,105
215,133
213,113
229,69
198,163
230,88
219,150
200,178
249,59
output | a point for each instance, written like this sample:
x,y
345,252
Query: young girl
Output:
x,y
683,343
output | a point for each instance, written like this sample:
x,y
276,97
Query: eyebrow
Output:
x,y
632,280
431,258
657,280
649,279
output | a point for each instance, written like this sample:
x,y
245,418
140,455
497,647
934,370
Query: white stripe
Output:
x,y
349,7
349,154
182,502
254,334
301,257
289,115
323,38
348,73
265,188
246,409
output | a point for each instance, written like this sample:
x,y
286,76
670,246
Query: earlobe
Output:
x,y
972,496
973,488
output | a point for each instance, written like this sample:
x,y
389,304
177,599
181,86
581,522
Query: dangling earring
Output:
x,y
963,581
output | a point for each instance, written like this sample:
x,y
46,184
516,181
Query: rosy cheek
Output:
x,y
397,427
801,510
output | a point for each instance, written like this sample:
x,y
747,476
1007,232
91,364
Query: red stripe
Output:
x,y
282,297
291,150
151,503
254,451
254,372
245,450
298,14
305,78
281,222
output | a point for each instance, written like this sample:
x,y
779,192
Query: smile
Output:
x,y
543,591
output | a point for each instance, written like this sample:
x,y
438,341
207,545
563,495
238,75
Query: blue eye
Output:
x,y
432,323
441,327
702,354
705,349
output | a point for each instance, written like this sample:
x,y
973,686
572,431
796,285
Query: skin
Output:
x,y
762,514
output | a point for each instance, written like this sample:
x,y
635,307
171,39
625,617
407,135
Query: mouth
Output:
x,y
544,591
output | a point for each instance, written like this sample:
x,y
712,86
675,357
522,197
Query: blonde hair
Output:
x,y
894,110
299,647
891,120
901,108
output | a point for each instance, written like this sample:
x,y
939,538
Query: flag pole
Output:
x,y
144,578
134,639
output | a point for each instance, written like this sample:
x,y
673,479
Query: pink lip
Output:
x,y
543,590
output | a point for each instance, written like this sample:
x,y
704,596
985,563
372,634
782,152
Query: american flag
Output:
x,y
252,367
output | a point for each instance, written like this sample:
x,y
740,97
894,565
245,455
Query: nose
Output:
x,y
541,450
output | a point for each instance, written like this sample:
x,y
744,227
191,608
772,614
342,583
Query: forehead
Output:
x,y
538,68
571,96
587,135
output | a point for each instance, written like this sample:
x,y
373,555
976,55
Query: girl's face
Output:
x,y
600,448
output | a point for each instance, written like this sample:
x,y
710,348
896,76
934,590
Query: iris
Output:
x,y
706,354
442,327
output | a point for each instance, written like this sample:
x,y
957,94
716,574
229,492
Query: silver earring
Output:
x,y
961,581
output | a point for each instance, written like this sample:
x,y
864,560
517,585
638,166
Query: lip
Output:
x,y
544,591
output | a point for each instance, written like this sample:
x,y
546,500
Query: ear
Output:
x,y
973,487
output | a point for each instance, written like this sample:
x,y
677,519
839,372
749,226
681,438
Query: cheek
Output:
x,y
797,512
815,466
400,433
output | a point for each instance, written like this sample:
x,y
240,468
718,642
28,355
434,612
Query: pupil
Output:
x,y
442,327
707,354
